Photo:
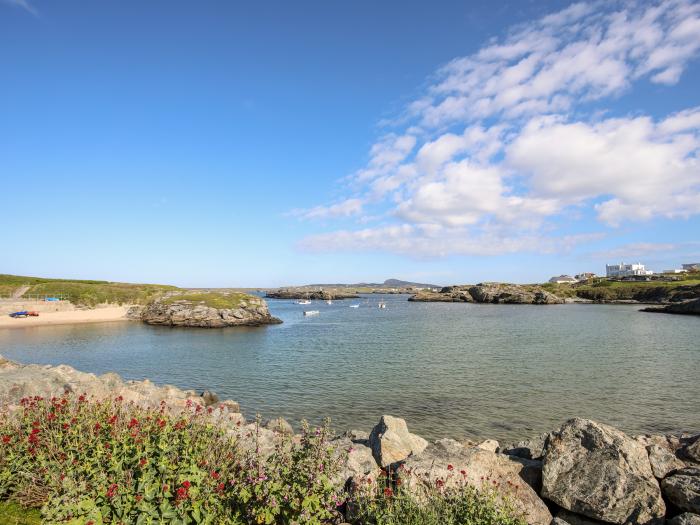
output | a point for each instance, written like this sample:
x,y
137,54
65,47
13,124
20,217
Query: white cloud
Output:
x,y
23,4
507,141
345,208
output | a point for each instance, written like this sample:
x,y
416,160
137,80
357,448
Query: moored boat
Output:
x,y
311,312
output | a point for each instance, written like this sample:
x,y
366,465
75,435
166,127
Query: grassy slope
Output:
x,y
602,290
14,514
82,292
213,299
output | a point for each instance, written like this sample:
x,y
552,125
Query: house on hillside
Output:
x,y
626,270
563,279
584,276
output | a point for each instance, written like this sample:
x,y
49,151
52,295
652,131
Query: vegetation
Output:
x,y
228,300
14,514
89,462
602,289
448,502
84,293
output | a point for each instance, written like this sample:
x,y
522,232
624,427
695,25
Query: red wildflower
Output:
x,y
113,419
186,484
161,423
139,497
388,492
439,483
112,490
51,416
215,474
143,462
181,493
66,426
6,439
133,422
450,467
82,398
463,472
97,427
220,487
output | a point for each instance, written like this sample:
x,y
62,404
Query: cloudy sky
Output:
x,y
221,145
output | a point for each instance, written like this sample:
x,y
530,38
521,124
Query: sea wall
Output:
x,y
584,472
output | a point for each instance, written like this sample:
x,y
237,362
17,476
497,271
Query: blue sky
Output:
x,y
213,144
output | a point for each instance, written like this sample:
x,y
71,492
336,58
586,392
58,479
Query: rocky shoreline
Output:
x,y
311,295
582,473
492,293
685,308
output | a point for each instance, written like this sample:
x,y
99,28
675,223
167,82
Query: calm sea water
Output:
x,y
451,370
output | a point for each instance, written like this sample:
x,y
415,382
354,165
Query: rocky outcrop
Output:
x,y
247,310
319,295
391,441
528,449
494,293
600,472
663,461
453,464
19,381
683,489
691,450
691,307
640,293
685,519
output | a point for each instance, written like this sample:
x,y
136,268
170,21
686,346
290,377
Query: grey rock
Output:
x,y
209,398
692,449
488,444
683,489
391,441
598,471
575,519
528,449
357,461
691,307
279,425
502,293
455,464
663,461
685,519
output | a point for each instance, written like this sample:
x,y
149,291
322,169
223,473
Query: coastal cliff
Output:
x,y
206,310
691,307
583,472
493,293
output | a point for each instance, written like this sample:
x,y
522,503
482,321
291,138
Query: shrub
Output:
x,y
387,503
85,461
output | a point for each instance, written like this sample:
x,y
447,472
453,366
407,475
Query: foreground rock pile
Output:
x,y
495,293
583,473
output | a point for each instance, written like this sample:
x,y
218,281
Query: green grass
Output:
x,y
221,301
604,290
84,292
14,514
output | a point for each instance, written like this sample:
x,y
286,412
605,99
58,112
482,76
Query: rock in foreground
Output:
x,y
208,310
600,472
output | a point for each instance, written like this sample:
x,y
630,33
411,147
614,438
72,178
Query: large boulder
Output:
x,y
356,461
663,461
685,519
600,472
692,449
208,310
683,489
391,442
528,449
454,464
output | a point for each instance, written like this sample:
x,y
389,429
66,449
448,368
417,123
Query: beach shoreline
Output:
x,y
97,315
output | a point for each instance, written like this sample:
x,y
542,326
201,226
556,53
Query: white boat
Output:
x,y
311,312
382,305
354,306
304,301
329,301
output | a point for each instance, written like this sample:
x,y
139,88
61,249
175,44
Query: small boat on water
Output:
x,y
303,301
311,312
354,306
329,301
381,305
21,313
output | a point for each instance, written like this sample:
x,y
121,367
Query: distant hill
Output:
x,y
389,283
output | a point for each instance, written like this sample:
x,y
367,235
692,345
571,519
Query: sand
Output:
x,y
98,315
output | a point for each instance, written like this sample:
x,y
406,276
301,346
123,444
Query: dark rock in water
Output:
x,y
456,464
691,307
598,471
683,489
243,310
685,519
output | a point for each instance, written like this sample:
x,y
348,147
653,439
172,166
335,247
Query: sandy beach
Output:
x,y
98,315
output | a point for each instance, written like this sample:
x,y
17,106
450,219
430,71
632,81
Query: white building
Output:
x,y
626,270
562,279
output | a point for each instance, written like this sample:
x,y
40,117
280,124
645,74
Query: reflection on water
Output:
x,y
457,370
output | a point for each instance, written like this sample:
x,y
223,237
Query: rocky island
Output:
x,y
312,295
584,472
493,293
206,310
